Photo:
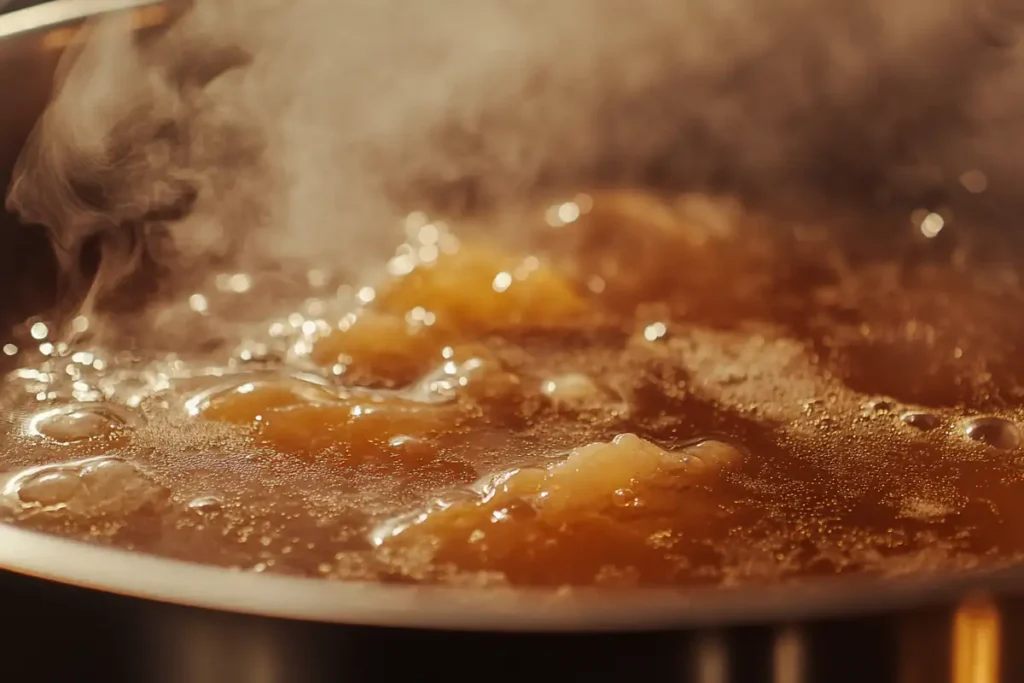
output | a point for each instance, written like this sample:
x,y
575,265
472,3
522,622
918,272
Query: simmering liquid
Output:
x,y
646,391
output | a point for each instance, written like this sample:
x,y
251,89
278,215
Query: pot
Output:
x,y
82,612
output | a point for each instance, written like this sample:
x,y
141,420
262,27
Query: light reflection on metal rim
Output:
x,y
51,14
469,608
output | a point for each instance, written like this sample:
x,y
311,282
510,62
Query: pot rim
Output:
x,y
53,14
160,579
444,607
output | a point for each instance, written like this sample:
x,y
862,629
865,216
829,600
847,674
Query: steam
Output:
x,y
255,132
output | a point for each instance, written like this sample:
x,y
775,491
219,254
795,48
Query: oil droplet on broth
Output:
x,y
996,432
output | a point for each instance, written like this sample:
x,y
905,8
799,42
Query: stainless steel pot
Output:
x,y
80,612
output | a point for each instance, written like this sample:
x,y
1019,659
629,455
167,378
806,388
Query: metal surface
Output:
x,y
29,17
84,611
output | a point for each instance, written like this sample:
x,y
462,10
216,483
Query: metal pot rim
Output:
x,y
56,13
473,608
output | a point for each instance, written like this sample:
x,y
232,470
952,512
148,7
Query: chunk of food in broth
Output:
x,y
480,289
353,425
560,509
245,403
396,338
631,247
372,345
467,371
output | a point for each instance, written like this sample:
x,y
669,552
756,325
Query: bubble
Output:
x,y
317,278
502,281
923,421
78,422
199,304
50,488
655,331
95,487
995,432
931,225
80,324
239,283
204,504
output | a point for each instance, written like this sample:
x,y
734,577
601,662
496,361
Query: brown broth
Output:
x,y
871,400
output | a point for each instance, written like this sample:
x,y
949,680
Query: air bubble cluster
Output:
x,y
91,488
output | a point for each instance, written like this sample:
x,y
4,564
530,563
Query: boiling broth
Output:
x,y
645,391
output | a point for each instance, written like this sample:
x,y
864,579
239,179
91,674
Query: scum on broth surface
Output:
x,y
868,408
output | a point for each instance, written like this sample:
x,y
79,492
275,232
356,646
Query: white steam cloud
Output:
x,y
256,130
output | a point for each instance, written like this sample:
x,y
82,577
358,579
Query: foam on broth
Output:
x,y
654,392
